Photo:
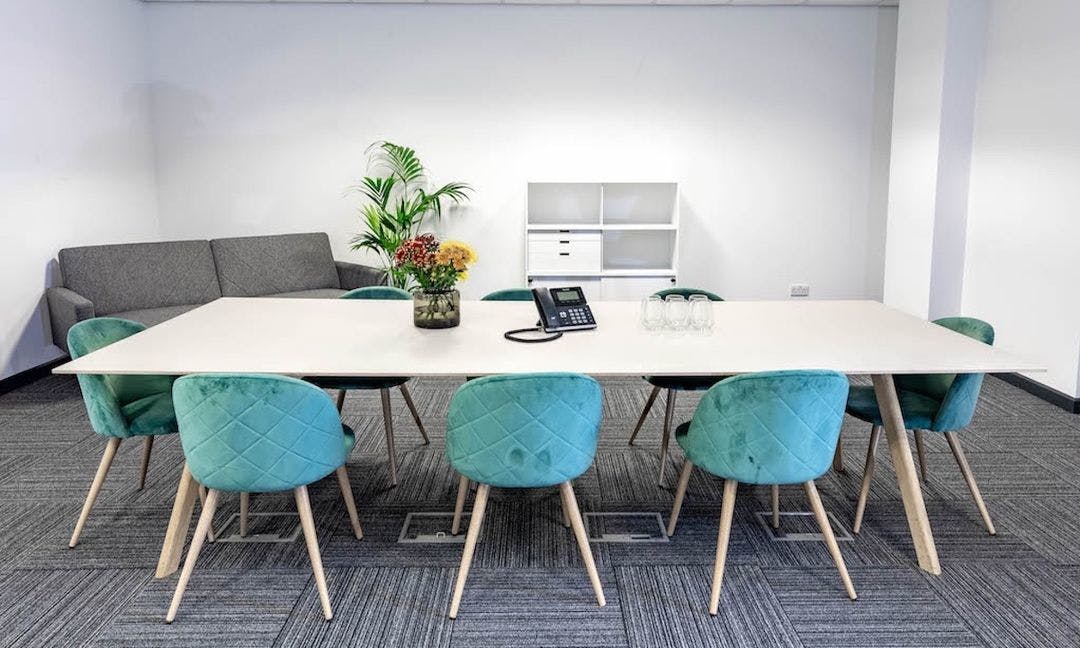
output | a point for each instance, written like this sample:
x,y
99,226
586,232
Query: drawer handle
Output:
x,y
564,254
565,242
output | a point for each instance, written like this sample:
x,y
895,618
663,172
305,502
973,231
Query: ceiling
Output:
x,y
815,3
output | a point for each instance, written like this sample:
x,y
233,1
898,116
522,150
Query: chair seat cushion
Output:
x,y
684,383
151,415
331,382
919,411
350,438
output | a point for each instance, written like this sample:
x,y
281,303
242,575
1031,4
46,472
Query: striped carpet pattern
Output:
x,y
528,587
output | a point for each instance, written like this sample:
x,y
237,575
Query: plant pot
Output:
x,y
436,309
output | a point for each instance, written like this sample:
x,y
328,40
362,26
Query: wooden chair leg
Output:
x,y
475,522
389,425
583,541
565,506
415,414
867,477
307,522
838,456
669,415
148,446
350,502
340,402
920,449
727,511
680,493
206,518
830,539
644,413
95,488
459,505
776,506
245,502
965,469
202,504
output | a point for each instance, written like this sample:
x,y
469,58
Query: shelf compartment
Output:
x,y
564,203
639,203
638,250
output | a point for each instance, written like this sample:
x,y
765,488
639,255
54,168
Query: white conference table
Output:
x,y
330,337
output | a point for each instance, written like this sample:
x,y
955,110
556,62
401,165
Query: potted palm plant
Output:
x,y
398,200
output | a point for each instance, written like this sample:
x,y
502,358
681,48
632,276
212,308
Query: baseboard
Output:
x,y
1039,390
28,376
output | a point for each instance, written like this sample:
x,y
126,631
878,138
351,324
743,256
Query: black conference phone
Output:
x,y
563,309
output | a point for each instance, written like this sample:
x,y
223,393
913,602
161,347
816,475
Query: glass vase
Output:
x,y
436,309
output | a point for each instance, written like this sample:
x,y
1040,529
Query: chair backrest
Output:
x,y
106,395
509,294
524,430
777,427
377,292
257,433
686,292
958,393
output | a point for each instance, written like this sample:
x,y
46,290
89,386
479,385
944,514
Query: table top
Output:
x,y
340,337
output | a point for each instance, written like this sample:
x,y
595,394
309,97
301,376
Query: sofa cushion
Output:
x,y
137,276
318,293
153,316
256,266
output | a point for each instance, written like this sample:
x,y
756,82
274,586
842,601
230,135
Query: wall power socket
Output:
x,y
800,290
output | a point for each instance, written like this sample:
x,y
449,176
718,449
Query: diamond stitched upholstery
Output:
x,y
255,433
939,402
120,406
509,294
524,430
770,428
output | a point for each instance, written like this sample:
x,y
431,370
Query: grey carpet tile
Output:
x,y
1014,605
896,608
668,607
231,609
549,608
530,588
375,607
62,607
1050,525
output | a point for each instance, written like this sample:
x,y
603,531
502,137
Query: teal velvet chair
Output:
x,y
509,294
672,385
778,427
523,431
258,433
384,385
941,403
119,406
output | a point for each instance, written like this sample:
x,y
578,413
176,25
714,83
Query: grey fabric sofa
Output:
x,y
153,282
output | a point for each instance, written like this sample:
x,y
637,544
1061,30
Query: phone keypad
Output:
x,y
577,316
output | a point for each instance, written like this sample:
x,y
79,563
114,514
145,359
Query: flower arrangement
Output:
x,y
435,266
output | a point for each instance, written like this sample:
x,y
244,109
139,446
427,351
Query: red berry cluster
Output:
x,y
418,252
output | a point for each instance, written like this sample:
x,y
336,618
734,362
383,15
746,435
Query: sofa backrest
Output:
x,y
253,266
134,276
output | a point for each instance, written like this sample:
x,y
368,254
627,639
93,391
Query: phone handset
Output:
x,y
563,309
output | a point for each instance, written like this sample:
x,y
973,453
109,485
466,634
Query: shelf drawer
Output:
x,y
553,252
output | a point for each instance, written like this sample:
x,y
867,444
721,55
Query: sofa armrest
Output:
x,y
354,275
66,308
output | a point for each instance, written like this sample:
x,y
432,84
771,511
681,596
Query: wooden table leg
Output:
x,y
910,492
179,521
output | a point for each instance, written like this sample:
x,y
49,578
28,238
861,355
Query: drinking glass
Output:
x,y
652,313
701,314
676,312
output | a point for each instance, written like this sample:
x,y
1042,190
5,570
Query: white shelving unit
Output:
x,y
617,240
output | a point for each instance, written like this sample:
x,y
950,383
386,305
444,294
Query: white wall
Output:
x,y
1023,264
76,161
773,120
